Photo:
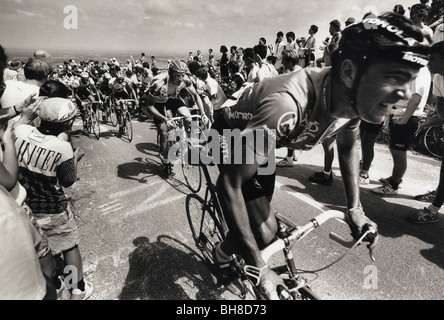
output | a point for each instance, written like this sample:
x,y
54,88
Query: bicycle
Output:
x,y
106,112
430,135
124,118
208,228
184,140
91,124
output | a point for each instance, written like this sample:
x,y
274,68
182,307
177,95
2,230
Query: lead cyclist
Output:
x,y
371,71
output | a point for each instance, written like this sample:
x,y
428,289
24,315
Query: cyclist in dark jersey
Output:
x,y
371,71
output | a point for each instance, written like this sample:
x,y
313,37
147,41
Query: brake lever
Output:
x,y
351,243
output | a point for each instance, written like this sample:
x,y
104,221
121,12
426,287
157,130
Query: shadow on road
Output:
x,y
167,270
141,169
392,218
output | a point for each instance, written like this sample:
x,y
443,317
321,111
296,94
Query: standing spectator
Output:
x,y
233,66
279,47
216,95
153,62
44,179
418,17
266,70
291,41
403,124
223,64
335,32
430,213
438,93
399,9
310,46
349,21
301,51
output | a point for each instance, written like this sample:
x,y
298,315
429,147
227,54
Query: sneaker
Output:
x,y
363,180
427,197
285,163
226,275
295,158
319,178
424,216
385,190
77,294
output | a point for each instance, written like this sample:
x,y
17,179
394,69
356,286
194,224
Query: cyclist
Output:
x,y
165,92
121,90
371,71
85,92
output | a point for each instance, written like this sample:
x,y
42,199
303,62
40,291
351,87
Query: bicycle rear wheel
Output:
x,y
191,173
95,125
434,141
128,127
204,225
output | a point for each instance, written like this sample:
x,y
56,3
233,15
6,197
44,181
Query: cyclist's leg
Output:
x,y
163,135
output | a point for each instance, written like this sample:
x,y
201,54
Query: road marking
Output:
x,y
139,188
304,198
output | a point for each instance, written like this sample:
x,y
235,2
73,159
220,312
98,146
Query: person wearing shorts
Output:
x,y
47,164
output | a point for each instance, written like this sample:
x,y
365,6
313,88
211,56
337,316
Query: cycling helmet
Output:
x,y
119,75
178,66
108,75
57,110
389,36
84,74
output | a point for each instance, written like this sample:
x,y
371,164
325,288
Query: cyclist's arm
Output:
x,y
348,157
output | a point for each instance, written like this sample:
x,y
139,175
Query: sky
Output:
x,y
176,26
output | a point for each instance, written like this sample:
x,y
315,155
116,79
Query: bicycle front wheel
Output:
x,y
434,141
128,127
191,173
113,115
95,125
204,225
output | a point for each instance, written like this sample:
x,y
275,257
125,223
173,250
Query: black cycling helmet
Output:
x,y
389,36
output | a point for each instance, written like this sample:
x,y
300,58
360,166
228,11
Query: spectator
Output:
x,y
436,14
36,73
368,133
233,65
418,17
290,60
21,277
349,21
44,180
335,32
216,95
399,9
279,47
311,46
266,69
12,71
403,124
430,213
291,41
301,52
223,64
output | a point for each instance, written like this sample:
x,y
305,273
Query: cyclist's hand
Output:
x,y
205,120
359,224
269,282
170,124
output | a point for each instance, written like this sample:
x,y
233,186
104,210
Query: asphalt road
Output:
x,y
136,243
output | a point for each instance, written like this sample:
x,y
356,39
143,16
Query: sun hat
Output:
x,y
57,110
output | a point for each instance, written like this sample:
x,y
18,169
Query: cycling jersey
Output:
x,y
117,86
161,90
294,105
85,90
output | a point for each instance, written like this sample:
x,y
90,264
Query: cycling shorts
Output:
x,y
401,136
370,127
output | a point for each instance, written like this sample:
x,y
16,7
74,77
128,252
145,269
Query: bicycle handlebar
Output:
x,y
301,232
